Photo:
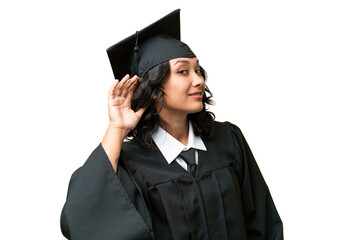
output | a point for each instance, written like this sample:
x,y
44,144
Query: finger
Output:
x,y
130,92
132,88
133,84
125,90
125,85
131,81
140,112
121,84
112,88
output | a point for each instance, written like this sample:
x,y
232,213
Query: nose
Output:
x,y
198,80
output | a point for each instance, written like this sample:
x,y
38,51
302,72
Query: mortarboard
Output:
x,y
155,44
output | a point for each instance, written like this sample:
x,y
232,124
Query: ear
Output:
x,y
154,97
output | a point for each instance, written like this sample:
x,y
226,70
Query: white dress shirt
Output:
x,y
170,147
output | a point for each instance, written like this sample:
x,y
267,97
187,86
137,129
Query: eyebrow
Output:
x,y
185,61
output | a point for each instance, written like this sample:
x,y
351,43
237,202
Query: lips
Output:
x,y
198,93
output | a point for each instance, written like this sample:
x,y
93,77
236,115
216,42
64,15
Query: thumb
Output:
x,y
140,112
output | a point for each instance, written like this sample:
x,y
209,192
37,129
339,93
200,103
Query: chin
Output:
x,y
196,110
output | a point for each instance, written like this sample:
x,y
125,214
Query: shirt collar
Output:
x,y
170,147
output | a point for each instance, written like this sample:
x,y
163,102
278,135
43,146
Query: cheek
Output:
x,y
173,91
174,97
171,98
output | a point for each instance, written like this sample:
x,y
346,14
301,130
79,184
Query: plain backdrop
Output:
x,y
286,72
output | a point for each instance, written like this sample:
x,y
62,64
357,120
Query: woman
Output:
x,y
182,175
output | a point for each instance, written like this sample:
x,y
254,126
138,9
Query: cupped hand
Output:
x,y
119,104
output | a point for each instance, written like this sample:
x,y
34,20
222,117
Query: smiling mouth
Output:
x,y
195,94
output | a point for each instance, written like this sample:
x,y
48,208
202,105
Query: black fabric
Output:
x,y
189,157
155,44
156,50
99,207
226,199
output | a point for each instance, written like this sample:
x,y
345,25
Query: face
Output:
x,y
184,88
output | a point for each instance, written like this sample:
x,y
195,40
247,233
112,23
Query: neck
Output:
x,y
176,126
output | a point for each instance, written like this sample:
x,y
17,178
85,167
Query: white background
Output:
x,y
286,72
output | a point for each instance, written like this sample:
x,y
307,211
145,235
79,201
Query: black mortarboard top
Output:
x,y
155,44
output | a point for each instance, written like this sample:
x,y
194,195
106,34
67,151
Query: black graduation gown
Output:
x,y
151,199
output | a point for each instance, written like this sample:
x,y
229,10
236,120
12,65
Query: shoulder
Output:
x,y
133,150
226,127
131,147
226,133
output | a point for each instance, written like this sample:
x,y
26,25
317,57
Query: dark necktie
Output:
x,y
189,157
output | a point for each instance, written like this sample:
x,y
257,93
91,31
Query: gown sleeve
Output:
x,y
98,206
262,219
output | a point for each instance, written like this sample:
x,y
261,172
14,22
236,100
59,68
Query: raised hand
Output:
x,y
122,118
119,104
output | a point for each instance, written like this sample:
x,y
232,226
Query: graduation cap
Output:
x,y
155,44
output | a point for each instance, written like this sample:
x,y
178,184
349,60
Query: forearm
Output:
x,y
112,143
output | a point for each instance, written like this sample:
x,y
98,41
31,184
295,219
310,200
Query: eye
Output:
x,y
183,72
198,71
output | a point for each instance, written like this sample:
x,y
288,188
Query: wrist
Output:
x,y
118,130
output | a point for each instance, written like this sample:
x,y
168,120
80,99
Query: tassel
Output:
x,y
135,62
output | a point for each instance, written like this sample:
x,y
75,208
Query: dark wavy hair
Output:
x,y
149,91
